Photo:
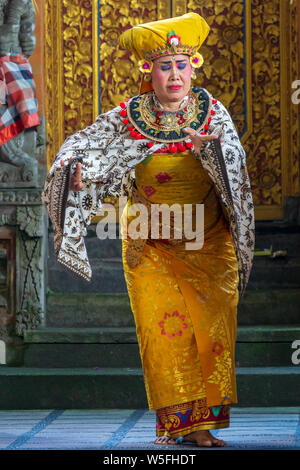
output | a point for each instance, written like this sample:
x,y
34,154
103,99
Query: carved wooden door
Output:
x,y
250,63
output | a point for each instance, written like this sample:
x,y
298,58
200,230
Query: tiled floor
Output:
x,y
251,428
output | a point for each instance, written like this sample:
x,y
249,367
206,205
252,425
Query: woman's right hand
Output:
x,y
199,139
75,178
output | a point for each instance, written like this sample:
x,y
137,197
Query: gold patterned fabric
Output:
x,y
184,301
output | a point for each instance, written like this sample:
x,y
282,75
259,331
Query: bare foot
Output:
x,y
165,440
204,439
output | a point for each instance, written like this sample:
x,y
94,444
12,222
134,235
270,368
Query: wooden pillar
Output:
x,y
37,60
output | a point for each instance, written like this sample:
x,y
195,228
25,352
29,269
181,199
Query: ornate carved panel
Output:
x,y
250,62
83,61
22,259
119,74
69,69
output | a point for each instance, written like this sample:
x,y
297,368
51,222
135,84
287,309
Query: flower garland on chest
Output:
x,y
146,120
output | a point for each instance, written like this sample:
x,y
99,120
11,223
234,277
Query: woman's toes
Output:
x,y
164,440
219,442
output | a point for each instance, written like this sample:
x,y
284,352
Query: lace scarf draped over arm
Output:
x,y
226,165
108,155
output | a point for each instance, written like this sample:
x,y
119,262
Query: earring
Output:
x,y
147,77
194,75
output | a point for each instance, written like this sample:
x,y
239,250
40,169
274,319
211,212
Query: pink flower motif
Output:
x,y
149,190
217,348
167,324
163,177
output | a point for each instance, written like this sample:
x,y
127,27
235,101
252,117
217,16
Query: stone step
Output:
x,y
105,257
263,306
275,273
266,235
269,307
117,347
84,311
267,346
279,236
108,275
123,388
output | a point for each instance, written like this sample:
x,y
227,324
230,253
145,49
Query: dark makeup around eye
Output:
x,y
165,65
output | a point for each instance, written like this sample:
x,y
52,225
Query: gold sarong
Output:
x,y
184,301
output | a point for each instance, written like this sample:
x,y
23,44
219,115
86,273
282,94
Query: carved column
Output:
x,y
23,239
22,174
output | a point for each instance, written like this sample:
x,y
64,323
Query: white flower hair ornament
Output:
x,y
145,66
196,60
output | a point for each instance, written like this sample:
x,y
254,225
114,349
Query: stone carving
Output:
x,y
30,270
18,165
28,318
23,227
30,246
20,197
30,220
8,216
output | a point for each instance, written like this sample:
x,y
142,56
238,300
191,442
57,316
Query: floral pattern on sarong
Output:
x,y
185,418
173,324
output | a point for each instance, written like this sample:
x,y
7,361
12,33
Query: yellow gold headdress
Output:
x,y
181,35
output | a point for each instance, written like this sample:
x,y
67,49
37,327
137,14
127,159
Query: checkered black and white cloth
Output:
x,y
18,103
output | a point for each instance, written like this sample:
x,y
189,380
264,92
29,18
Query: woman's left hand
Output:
x,y
199,139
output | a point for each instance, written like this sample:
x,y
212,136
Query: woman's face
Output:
x,y
171,77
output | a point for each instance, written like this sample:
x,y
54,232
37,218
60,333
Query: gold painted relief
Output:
x,y
53,85
72,60
69,69
77,64
119,73
223,70
251,73
264,144
178,7
293,170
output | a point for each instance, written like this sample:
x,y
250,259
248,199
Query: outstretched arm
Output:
x,y
103,154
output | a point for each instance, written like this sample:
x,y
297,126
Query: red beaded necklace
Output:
x,y
172,147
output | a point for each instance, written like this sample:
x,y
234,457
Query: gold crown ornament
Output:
x,y
180,35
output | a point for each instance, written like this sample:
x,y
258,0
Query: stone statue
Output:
x,y
23,225
18,106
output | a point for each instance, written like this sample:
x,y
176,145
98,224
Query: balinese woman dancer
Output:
x,y
171,144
